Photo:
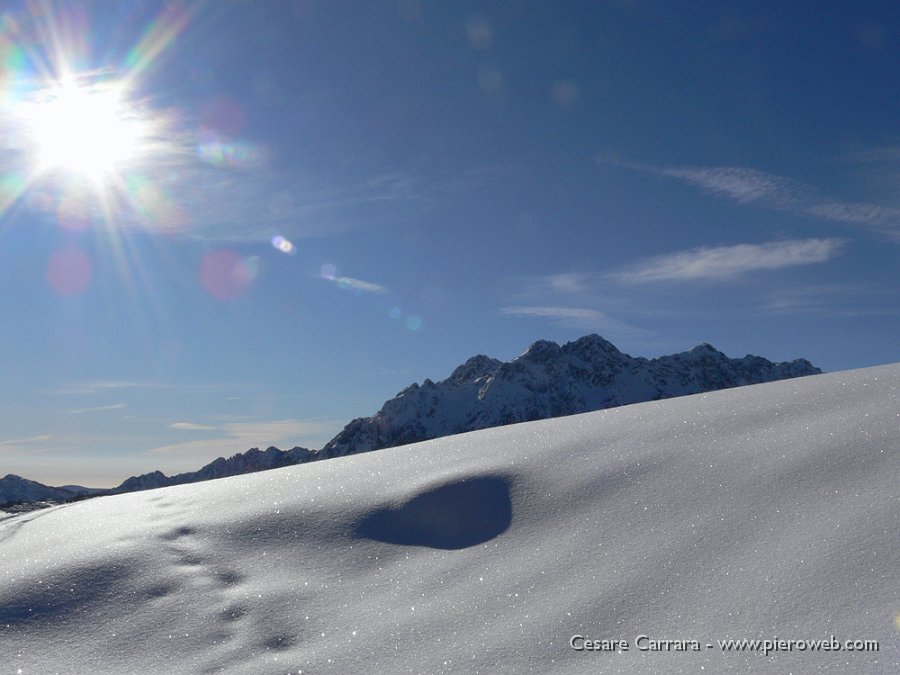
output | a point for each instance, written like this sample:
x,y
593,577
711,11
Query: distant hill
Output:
x,y
247,462
15,489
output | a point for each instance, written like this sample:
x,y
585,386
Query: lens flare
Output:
x,y
83,128
329,272
72,121
69,271
154,207
234,155
158,36
226,275
283,245
73,213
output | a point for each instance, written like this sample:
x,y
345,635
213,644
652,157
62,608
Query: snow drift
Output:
x,y
763,512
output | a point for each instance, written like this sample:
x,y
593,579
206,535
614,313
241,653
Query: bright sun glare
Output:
x,y
87,129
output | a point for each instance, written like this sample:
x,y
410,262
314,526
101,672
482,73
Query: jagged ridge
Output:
x,y
549,380
247,462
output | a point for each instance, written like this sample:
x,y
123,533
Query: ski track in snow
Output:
x,y
759,512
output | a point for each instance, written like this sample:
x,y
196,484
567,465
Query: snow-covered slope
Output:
x,y
549,380
763,512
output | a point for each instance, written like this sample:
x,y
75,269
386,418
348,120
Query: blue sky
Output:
x,y
295,209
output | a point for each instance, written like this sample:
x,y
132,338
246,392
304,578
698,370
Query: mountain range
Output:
x,y
547,380
15,490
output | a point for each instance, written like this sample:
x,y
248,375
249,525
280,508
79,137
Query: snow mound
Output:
x,y
761,512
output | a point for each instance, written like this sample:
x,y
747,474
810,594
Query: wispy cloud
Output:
x,y
121,387
24,441
358,285
566,282
100,408
575,317
751,186
190,426
833,301
729,262
549,289
103,386
744,185
887,154
239,436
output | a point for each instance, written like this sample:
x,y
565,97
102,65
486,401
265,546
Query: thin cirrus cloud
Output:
x,y
191,426
358,285
750,186
729,262
576,317
239,436
99,408
25,441
832,300
567,282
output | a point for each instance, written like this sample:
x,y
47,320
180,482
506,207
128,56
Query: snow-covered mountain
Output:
x,y
247,462
546,381
549,380
17,489
763,513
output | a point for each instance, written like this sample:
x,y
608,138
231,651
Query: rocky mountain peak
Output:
x,y
540,351
474,368
547,380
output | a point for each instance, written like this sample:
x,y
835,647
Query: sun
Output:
x,y
90,129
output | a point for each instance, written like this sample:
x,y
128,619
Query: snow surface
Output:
x,y
757,512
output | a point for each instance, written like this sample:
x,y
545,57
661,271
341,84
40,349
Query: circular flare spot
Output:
x,y
283,245
69,271
225,275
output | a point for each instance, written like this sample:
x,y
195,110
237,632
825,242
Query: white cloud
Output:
x,y
546,289
99,408
880,217
750,186
741,184
190,426
577,317
728,262
359,285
